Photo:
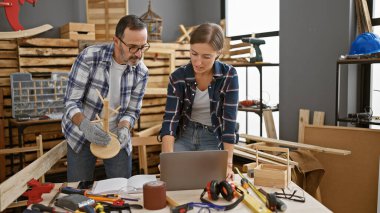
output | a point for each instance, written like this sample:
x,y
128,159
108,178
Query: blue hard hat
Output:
x,y
365,43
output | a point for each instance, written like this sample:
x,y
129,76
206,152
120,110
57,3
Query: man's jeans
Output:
x,y
196,137
81,166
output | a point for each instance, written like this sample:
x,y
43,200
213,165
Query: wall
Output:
x,y
53,12
173,12
311,40
176,12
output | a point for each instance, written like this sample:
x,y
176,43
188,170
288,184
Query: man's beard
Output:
x,y
132,60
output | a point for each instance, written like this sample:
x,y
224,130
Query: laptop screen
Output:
x,y
192,169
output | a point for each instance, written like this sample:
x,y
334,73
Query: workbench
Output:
x,y
311,205
21,126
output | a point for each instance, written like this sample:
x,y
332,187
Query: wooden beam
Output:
x,y
18,150
253,157
155,91
318,118
141,141
269,124
303,120
297,145
149,132
14,186
25,33
265,155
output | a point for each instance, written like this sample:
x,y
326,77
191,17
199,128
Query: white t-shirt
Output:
x,y
200,111
116,71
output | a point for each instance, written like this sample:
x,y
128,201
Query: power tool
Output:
x,y
256,44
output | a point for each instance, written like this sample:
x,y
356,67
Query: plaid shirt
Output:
x,y
89,73
223,93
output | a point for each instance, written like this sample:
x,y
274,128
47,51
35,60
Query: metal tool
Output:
x,y
273,202
256,44
36,191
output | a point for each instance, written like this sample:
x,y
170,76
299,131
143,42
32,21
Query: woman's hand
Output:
x,y
230,173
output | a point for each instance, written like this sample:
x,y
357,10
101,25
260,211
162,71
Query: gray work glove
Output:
x,y
94,133
124,136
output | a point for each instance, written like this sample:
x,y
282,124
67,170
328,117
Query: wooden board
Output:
x,y
45,55
13,187
25,33
105,14
350,182
297,145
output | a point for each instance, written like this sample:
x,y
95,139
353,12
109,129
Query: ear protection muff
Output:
x,y
227,190
212,189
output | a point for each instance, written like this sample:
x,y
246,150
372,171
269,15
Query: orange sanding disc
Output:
x,y
105,152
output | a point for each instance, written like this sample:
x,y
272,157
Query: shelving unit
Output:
x,y
259,110
362,122
37,98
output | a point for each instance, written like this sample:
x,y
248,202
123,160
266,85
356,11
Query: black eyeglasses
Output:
x,y
134,48
291,196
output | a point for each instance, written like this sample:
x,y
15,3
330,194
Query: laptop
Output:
x,y
192,169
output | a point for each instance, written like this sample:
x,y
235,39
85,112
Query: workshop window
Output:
x,y
259,17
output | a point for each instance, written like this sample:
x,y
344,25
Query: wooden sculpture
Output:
x,y
113,148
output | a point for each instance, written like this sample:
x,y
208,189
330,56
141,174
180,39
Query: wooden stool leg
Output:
x,y
143,164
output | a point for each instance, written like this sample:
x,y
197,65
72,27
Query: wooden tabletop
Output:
x,y
311,205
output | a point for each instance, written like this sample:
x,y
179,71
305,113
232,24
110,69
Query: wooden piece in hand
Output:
x,y
105,152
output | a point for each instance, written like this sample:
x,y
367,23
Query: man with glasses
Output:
x,y
114,70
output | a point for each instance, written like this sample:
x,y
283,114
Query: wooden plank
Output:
x,y
240,45
148,132
159,79
48,51
13,187
346,177
182,54
358,17
79,36
155,91
25,33
8,54
148,124
240,52
153,102
253,157
148,118
18,150
303,120
77,27
9,44
269,124
5,82
296,145
367,17
6,72
181,62
45,69
159,70
157,84
48,42
7,63
174,46
156,63
57,61
2,137
265,155
319,118
140,141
